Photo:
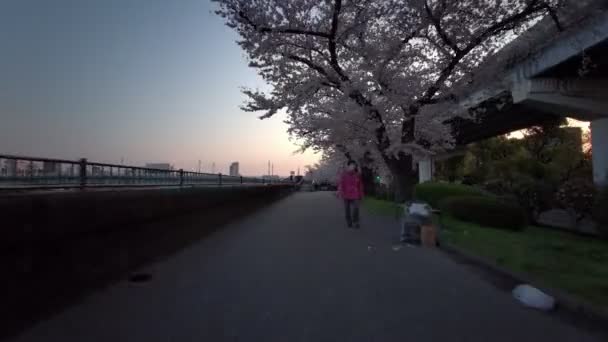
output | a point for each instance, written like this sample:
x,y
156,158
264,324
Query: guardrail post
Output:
x,y
220,178
83,172
31,170
181,177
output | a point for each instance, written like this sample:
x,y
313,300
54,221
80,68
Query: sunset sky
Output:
x,y
143,80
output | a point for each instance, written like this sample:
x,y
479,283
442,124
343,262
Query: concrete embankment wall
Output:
x,y
56,247
54,214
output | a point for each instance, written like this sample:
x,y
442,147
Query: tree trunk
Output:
x,y
368,175
369,184
404,177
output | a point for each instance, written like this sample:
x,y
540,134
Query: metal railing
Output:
x,y
18,172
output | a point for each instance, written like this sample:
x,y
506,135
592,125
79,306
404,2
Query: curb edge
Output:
x,y
563,299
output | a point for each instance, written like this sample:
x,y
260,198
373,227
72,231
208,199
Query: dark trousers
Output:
x,y
351,209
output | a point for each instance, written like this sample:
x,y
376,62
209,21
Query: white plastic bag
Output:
x,y
421,209
533,297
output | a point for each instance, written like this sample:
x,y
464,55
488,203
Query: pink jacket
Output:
x,y
350,186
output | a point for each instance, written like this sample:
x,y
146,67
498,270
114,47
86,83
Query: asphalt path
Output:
x,y
293,272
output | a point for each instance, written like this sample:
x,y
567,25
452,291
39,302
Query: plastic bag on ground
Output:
x,y
420,209
533,297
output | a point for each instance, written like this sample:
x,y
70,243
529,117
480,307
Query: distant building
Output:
x,y
159,166
234,169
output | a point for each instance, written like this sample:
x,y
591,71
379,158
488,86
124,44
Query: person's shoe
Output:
x,y
357,225
348,225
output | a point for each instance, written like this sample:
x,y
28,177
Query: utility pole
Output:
x,y
199,166
213,167
272,172
268,173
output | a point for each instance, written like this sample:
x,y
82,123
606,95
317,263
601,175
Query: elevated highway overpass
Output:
x,y
546,73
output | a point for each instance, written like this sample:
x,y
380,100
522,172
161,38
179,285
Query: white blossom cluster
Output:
x,y
373,76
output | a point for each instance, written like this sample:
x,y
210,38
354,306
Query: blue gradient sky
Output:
x,y
143,80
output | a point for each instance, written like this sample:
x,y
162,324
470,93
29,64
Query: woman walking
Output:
x,y
350,189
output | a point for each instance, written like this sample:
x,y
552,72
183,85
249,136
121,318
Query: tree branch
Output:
x,y
382,140
347,31
344,151
266,29
311,65
407,128
383,84
334,20
438,46
448,97
427,98
506,24
440,31
395,52
503,25
408,125
332,41
311,49
555,18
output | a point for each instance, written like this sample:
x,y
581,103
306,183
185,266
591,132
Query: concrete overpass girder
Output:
x,y
579,98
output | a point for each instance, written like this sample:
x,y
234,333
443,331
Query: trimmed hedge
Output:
x,y
433,193
486,211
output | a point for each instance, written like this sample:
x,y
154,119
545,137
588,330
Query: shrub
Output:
x,y
577,195
498,187
434,193
600,210
473,178
534,196
486,211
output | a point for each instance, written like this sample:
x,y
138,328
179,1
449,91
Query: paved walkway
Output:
x,y
293,272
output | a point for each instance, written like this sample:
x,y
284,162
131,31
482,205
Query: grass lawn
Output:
x,y
381,207
561,260
578,265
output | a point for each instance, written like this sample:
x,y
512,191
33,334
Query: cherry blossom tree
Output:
x,y
329,167
373,76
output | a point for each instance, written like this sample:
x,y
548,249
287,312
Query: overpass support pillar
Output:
x,y
425,169
599,135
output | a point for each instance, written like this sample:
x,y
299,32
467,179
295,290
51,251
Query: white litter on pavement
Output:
x,y
533,297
